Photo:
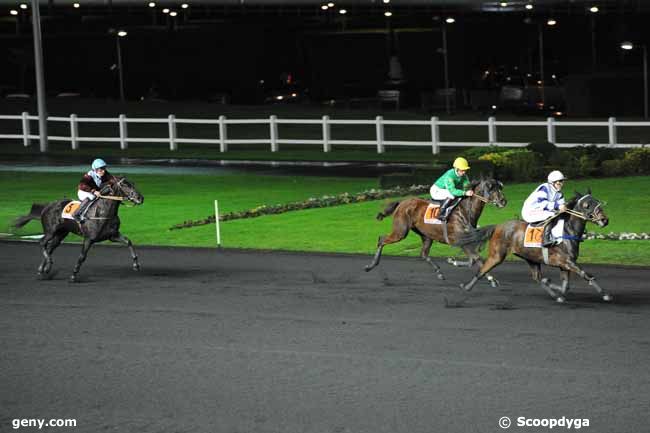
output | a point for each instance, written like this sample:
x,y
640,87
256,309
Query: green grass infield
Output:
x,y
172,199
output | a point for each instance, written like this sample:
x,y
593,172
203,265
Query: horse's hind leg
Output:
x,y
424,254
399,232
82,257
53,243
495,258
553,290
47,260
570,266
474,257
126,241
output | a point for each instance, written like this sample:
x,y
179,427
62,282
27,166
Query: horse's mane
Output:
x,y
576,196
477,181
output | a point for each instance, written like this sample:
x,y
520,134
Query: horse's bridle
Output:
x,y
591,216
485,199
121,197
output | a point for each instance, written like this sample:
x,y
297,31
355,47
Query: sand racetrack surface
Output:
x,y
230,341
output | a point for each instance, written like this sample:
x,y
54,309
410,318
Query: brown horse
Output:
x,y
509,237
409,215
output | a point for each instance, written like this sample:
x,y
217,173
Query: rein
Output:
x,y
577,214
112,197
484,199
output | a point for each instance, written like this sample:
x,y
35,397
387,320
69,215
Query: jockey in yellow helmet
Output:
x,y
452,184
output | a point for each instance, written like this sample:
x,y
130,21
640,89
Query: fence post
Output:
x,y
326,134
435,136
550,130
492,130
172,132
612,131
223,134
123,132
380,134
74,133
274,133
26,141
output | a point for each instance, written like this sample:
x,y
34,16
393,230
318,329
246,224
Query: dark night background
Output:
x,y
211,50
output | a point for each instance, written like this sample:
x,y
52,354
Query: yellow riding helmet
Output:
x,y
461,164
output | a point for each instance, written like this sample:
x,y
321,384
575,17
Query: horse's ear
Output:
x,y
474,183
588,191
578,194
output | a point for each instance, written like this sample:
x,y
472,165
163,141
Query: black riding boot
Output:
x,y
444,209
80,214
547,236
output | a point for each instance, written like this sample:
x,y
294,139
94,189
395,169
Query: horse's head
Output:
x,y
121,187
589,208
490,189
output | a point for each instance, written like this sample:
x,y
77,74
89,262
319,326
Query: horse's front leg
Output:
x,y
424,255
82,257
119,237
463,263
570,266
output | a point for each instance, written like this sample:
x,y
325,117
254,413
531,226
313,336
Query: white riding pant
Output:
x,y
84,195
532,215
440,193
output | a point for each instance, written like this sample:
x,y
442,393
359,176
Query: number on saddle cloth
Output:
x,y
69,210
431,214
533,236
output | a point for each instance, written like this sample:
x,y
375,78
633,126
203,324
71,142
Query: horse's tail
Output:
x,y
388,210
34,213
476,237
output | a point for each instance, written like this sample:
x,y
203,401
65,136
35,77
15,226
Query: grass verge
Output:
x,y
352,228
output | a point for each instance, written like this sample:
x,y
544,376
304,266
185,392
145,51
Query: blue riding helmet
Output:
x,y
98,163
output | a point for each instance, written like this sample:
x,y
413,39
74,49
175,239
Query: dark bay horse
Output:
x,y
409,215
509,237
102,223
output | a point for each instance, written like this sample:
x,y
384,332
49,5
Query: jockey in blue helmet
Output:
x,y
89,187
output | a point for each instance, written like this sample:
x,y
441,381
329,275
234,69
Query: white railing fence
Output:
x,y
325,141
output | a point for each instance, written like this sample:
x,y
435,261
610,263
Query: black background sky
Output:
x,y
207,52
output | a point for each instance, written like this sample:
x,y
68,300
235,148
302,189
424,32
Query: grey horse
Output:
x,y
102,224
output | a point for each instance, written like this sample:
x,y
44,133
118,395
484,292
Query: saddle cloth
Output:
x,y
431,214
533,236
70,209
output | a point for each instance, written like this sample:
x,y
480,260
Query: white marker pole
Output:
x,y
216,221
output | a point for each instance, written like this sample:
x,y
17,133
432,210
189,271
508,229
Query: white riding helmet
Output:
x,y
555,176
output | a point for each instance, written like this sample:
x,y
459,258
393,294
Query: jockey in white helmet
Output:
x,y
544,202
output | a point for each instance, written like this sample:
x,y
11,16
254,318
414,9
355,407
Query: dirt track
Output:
x,y
225,341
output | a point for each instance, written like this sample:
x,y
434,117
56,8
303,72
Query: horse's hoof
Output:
x,y
608,298
136,267
440,276
545,281
560,300
451,261
494,283
368,268
74,278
